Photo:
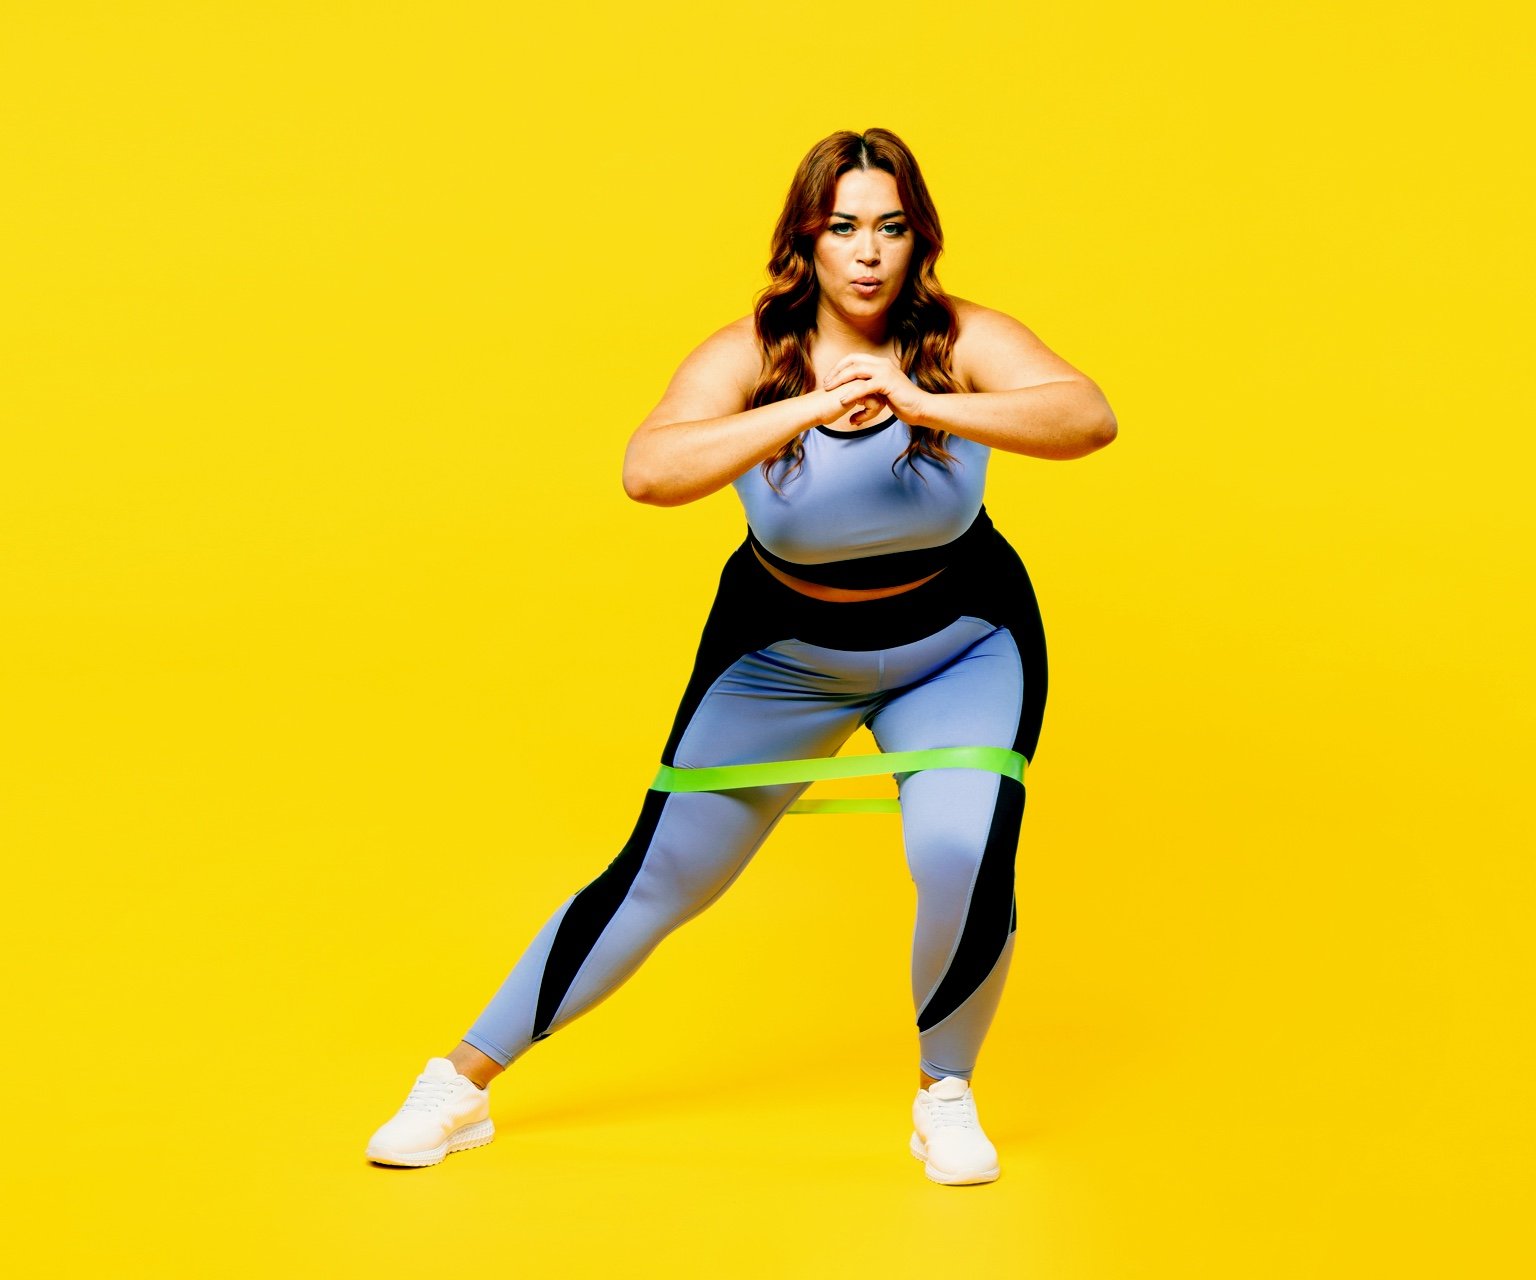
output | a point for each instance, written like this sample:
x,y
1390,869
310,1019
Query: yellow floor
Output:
x,y
1170,1096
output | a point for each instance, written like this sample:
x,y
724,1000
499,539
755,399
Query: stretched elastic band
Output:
x,y
729,777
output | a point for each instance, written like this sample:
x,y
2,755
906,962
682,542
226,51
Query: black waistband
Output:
x,y
892,570
757,609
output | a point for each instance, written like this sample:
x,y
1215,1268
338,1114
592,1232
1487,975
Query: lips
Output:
x,y
866,280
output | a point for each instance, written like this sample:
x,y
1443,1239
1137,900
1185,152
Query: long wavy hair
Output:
x,y
921,318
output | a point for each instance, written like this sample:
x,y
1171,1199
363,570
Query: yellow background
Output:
x,y
334,656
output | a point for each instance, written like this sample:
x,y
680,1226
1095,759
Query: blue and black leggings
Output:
x,y
959,661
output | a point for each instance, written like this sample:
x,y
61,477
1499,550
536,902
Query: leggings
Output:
x,y
959,661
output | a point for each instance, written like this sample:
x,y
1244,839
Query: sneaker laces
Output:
x,y
427,1094
953,1113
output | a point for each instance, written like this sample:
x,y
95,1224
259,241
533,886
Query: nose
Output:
x,y
869,251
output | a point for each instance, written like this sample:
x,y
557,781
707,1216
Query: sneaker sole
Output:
x,y
920,1149
470,1136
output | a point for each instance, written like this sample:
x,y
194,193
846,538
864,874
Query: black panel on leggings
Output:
x,y
988,922
737,625
589,914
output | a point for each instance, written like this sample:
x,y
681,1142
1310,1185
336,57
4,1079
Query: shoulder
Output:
x,y
981,332
995,352
714,379
972,317
731,354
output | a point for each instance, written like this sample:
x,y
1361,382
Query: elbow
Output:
x,y
637,487
644,489
639,480
1088,439
1102,427
1096,425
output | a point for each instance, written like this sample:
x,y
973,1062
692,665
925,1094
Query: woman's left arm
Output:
x,y
1024,398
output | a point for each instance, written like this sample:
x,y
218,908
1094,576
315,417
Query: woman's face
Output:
x,y
866,238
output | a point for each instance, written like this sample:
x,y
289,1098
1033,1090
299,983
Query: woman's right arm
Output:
x,y
701,436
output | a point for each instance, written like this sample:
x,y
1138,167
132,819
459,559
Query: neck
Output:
x,y
853,334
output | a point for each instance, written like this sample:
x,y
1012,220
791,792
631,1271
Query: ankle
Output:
x,y
476,1067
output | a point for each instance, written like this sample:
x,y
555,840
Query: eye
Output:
x,y
895,228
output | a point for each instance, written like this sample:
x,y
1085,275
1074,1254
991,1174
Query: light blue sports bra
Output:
x,y
845,519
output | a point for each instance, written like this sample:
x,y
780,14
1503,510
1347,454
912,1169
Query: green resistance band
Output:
x,y
728,777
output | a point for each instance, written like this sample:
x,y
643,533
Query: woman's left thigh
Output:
x,y
960,826
976,699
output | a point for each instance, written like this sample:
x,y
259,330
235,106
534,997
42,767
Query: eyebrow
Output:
x,y
894,213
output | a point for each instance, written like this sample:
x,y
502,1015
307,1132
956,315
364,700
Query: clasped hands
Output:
x,y
877,381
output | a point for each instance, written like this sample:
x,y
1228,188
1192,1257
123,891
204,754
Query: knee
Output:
x,y
945,858
968,846
687,866
674,882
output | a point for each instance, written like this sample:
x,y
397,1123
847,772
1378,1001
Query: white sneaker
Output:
x,y
444,1112
947,1136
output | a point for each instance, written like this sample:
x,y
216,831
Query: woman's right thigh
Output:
x,y
687,848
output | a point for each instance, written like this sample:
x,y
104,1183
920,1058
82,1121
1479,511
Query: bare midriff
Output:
x,y
839,595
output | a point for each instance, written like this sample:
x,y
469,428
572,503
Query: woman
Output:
x,y
854,413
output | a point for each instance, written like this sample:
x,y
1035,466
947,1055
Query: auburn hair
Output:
x,y
921,318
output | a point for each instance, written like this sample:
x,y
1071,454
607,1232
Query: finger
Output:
x,y
869,407
863,403
835,379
